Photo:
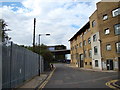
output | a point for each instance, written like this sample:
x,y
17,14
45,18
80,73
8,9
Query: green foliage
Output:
x,y
42,50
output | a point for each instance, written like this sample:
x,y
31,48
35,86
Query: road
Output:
x,y
67,77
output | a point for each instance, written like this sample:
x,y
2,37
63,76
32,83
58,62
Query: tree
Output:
x,y
3,28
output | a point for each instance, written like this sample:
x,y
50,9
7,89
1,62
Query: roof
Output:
x,y
86,26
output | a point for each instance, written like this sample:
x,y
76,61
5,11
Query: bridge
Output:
x,y
58,52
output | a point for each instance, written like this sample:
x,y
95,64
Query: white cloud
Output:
x,y
54,17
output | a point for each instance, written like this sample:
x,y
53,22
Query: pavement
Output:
x,y
63,76
35,82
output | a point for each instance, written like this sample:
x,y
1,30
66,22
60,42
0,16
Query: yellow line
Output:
x,y
113,82
46,81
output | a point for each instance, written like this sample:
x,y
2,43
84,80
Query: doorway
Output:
x,y
110,64
81,61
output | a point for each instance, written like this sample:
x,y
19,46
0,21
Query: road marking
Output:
x,y
112,82
46,81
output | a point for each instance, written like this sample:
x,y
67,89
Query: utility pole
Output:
x,y
34,35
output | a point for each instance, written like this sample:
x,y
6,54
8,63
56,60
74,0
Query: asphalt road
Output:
x,y
67,77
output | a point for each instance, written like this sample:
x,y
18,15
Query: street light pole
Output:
x,y
39,52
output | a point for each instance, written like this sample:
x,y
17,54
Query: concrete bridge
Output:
x,y
58,52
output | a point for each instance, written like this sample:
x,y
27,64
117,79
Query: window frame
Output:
x,y
89,40
117,49
84,43
80,44
107,48
96,49
104,16
95,38
90,54
115,29
116,11
93,23
97,63
105,31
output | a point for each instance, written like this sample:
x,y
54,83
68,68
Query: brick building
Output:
x,y
97,44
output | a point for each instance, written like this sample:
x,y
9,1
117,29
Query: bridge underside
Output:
x,y
59,52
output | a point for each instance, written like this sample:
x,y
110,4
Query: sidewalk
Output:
x,y
93,70
36,81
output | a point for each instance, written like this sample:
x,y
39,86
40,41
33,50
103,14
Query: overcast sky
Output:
x,y
60,18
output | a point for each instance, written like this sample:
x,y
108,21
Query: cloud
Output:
x,y
62,19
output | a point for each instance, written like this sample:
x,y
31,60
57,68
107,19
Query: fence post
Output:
x,y
0,59
11,64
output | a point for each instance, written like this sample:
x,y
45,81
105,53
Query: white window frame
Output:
x,y
108,47
90,53
118,47
105,17
116,12
107,31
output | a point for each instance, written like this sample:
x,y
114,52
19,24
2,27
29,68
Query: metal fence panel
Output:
x,y
19,64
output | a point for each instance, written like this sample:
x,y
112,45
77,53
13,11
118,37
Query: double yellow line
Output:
x,y
114,86
46,81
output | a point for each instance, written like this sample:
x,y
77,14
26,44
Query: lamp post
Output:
x,y
39,51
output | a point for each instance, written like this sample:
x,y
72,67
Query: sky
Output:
x,y
60,18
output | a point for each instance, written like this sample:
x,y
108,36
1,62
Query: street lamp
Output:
x,y
39,50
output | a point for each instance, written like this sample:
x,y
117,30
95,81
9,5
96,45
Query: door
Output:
x,y
81,61
110,64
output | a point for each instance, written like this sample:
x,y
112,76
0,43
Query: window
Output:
x,y
73,47
118,47
89,29
80,44
94,38
90,63
117,29
89,40
85,53
95,50
77,45
96,63
116,12
90,53
85,32
80,35
107,31
105,17
84,42
108,47
93,23
85,63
